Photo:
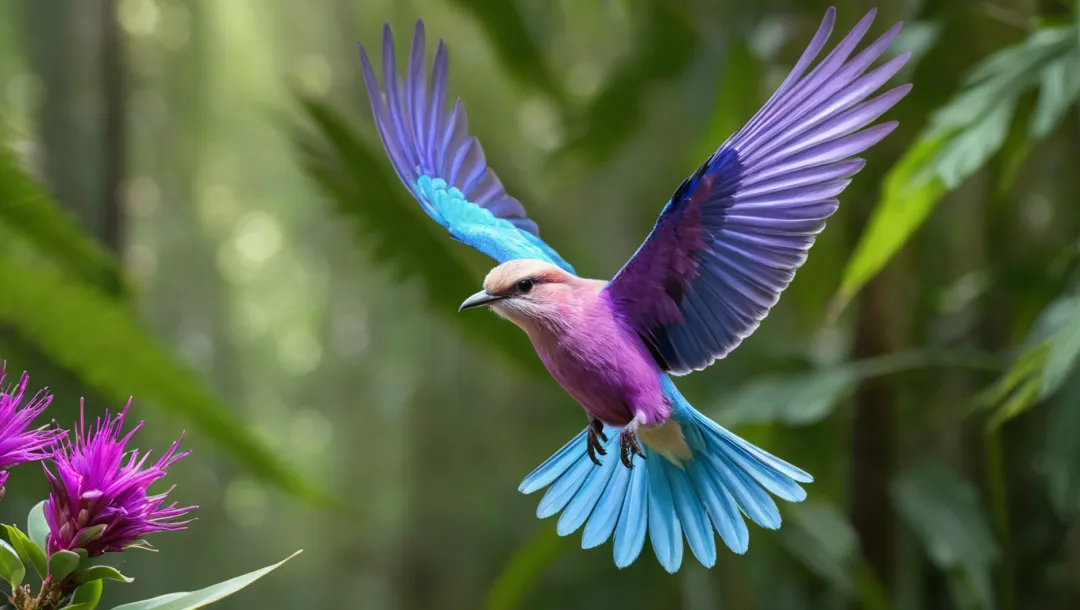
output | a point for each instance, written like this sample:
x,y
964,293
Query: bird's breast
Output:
x,y
607,371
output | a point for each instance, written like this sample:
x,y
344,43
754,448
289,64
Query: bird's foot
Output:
x,y
628,443
596,440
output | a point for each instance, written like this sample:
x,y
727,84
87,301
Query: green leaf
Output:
x,y
1063,452
100,572
99,340
1049,355
87,595
361,185
27,210
1059,330
523,570
29,552
944,510
969,149
203,597
796,399
819,535
963,135
88,535
156,603
821,538
667,47
62,563
1059,88
509,33
1019,401
800,399
917,37
142,545
36,525
11,565
908,195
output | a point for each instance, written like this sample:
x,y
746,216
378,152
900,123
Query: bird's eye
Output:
x,y
524,285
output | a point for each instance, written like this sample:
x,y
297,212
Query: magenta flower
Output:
x,y
18,442
98,498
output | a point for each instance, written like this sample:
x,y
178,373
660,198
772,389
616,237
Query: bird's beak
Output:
x,y
478,299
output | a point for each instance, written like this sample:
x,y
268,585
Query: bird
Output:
x,y
725,246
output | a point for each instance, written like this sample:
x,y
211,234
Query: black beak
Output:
x,y
478,299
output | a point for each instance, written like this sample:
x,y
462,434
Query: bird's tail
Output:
x,y
667,497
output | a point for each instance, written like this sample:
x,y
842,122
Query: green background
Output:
x,y
195,210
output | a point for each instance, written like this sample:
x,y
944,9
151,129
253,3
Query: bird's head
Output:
x,y
524,291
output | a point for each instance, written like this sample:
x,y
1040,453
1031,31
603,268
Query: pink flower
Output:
x,y
18,442
98,498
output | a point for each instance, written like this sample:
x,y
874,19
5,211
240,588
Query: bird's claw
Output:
x,y
596,440
628,443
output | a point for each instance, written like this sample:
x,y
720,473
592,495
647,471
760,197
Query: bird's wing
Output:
x,y
731,237
440,163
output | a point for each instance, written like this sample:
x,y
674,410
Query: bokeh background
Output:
x,y
195,210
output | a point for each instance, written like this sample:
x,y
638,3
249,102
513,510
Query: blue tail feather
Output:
x,y
665,531
751,498
633,521
695,523
601,522
721,508
554,466
560,494
726,478
577,512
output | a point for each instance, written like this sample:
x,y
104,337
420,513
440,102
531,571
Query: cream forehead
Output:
x,y
510,273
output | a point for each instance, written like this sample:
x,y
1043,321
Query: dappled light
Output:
x,y
208,216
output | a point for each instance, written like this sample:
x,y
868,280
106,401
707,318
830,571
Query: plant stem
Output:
x,y
997,488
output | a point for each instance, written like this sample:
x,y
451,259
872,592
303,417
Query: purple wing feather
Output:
x,y
440,163
421,140
734,233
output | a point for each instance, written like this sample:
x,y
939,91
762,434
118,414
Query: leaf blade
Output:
x,y
524,568
945,512
611,118
804,398
962,136
909,193
63,563
25,208
1058,89
12,568
508,32
36,526
28,551
118,358
88,595
203,597
101,572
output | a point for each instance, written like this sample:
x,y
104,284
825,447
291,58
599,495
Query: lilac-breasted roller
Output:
x,y
725,246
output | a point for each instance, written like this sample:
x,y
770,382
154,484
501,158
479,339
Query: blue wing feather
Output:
x,y
440,163
729,241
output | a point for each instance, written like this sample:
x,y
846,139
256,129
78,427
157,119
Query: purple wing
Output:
x,y
440,163
733,235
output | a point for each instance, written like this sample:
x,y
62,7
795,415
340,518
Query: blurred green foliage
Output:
x,y
279,291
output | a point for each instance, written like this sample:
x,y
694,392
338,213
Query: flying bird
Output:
x,y
725,246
